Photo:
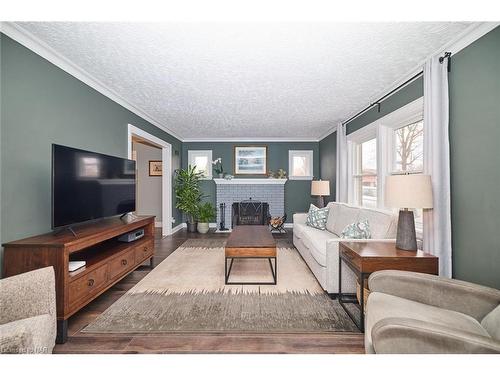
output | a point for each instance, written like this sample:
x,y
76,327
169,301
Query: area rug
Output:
x,y
186,293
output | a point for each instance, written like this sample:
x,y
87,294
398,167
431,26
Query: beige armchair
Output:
x,y
410,312
28,312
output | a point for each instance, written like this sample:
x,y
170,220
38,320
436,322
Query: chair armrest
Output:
x,y
470,299
28,294
299,218
407,336
15,338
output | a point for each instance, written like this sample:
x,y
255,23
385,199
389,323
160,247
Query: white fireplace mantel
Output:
x,y
250,181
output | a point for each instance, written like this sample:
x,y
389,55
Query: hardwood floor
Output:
x,y
79,342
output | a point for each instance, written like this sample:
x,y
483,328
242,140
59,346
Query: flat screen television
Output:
x,y
87,185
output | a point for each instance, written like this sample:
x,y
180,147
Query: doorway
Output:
x,y
153,158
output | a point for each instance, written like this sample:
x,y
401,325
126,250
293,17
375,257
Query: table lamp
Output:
x,y
404,192
321,189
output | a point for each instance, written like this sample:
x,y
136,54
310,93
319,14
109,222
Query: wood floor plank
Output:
x,y
79,342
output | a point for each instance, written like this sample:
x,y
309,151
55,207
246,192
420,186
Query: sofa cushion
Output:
x,y
332,215
346,215
298,229
491,323
382,223
315,240
381,306
359,230
316,217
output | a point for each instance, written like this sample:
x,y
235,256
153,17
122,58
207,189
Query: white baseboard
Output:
x,y
288,225
178,227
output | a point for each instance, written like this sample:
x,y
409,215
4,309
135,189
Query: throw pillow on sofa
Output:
x,y
316,217
359,230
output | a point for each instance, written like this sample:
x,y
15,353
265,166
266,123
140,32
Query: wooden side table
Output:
x,y
367,257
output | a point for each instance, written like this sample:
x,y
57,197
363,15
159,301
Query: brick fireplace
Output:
x,y
270,191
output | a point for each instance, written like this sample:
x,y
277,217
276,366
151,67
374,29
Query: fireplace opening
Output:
x,y
250,212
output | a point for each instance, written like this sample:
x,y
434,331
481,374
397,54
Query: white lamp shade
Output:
x,y
408,191
320,188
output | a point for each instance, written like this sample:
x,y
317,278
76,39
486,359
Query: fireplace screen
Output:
x,y
250,213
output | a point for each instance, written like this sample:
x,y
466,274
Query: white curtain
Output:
x,y
437,222
342,172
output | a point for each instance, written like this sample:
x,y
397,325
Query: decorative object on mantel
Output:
x,y
228,176
217,163
320,188
279,174
188,194
408,191
206,213
277,224
250,160
155,168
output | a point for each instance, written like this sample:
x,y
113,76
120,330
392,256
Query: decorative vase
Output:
x,y
191,227
203,227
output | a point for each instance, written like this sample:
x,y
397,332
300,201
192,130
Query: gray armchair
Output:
x,y
28,312
410,312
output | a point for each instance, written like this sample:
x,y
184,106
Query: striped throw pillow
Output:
x,y
316,217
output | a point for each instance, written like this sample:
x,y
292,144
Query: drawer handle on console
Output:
x,y
145,248
90,282
124,262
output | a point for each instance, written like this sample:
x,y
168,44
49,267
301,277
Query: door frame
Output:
x,y
166,177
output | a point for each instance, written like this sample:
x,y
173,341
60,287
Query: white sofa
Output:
x,y
320,248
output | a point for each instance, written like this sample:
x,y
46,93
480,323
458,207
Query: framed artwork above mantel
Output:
x,y
250,160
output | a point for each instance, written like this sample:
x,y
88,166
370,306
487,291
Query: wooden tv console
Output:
x,y
107,260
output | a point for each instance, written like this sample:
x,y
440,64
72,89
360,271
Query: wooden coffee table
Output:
x,y
251,242
366,257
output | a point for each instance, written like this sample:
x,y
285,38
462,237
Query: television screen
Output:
x,y
87,185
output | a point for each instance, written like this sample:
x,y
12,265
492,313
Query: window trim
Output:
x,y
208,153
309,154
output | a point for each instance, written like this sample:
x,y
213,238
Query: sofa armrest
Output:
x,y
28,294
299,218
407,336
470,299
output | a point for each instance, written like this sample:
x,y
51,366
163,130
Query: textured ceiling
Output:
x,y
293,80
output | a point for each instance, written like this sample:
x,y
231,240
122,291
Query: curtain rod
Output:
x,y
384,97
446,56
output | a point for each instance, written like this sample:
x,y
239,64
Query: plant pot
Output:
x,y
221,175
191,227
203,227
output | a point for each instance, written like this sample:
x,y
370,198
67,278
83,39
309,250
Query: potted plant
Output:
x,y
206,213
188,194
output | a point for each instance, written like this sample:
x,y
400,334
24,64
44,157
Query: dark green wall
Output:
x,y
474,87
297,193
41,104
474,84
407,94
328,162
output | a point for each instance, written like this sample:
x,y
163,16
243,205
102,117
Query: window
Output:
x,y
365,174
408,148
391,145
202,160
300,164
408,156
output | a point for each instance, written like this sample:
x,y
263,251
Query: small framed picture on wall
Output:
x,y
155,168
250,160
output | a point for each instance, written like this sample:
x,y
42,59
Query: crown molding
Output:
x,y
255,140
42,49
468,36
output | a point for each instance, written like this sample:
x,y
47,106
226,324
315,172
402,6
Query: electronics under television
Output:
x,y
87,185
